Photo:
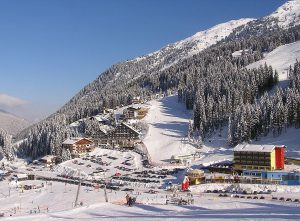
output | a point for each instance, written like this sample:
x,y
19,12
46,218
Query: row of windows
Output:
x,y
254,163
251,160
290,177
252,174
255,168
251,157
252,153
122,136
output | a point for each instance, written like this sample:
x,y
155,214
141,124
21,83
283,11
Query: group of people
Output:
x,y
130,200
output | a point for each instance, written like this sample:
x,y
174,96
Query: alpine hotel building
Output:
x,y
258,157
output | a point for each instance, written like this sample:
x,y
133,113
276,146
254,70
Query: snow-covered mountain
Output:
x,y
175,65
11,123
285,16
288,14
192,45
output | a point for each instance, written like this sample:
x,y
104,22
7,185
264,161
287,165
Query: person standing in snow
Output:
x,y
127,199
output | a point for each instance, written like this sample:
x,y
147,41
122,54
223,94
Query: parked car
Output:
x,y
112,187
128,189
152,191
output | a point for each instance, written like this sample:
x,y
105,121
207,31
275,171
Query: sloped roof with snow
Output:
x,y
100,118
130,127
105,128
73,140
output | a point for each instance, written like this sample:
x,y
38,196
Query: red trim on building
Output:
x,y
279,157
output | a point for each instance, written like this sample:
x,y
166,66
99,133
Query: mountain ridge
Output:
x,y
12,123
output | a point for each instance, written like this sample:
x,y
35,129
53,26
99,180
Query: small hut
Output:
x,y
196,177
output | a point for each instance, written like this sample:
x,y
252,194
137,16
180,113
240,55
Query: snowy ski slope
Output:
x,y
281,59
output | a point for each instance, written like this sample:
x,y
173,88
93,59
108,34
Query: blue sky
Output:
x,y
51,49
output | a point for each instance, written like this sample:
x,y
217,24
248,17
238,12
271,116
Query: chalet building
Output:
x,y
101,119
21,176
123,135
49,160
142,112
135,113
258,157
101,138
78,146
196,177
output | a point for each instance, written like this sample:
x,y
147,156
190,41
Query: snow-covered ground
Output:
x,y
55,202
110,159
168,123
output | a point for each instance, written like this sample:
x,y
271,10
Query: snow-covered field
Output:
x,y
59,199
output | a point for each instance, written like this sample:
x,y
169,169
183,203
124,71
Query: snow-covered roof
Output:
x,y
132,128
22,175
75,124
73,140
133,108
255,147
100,118
48,157
105,128
239,53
